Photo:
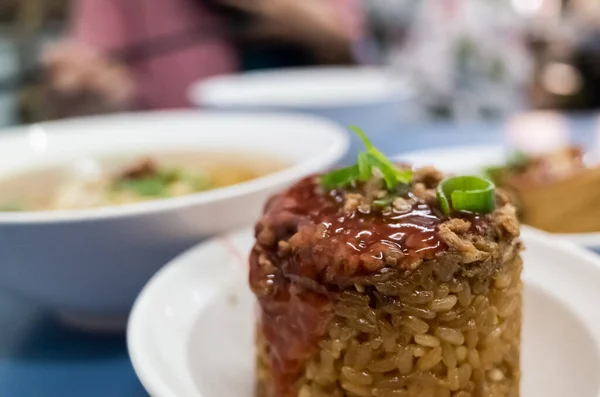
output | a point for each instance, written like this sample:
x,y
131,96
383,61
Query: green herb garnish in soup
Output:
x,y
149,180
145,187
160,176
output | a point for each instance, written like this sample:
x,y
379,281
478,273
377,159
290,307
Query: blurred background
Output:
x,y
434,75
64,58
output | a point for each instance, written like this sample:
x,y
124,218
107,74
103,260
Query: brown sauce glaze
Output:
x,y
292,320
365,241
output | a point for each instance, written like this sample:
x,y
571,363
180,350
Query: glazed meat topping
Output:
x,y
313,245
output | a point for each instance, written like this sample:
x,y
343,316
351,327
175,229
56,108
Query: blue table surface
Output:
x,y
40,358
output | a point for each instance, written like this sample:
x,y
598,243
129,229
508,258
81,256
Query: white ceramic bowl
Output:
x,y
369,97
89,265
191,332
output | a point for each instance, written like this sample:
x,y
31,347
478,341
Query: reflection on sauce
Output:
x,y
410,235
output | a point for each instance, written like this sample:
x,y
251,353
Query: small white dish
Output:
x,y
293,88
89,265
370,97
473,159
191,330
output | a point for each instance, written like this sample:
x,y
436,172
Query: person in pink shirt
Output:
x,y
85,77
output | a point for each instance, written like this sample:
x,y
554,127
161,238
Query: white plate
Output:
x,y
191,330
472,159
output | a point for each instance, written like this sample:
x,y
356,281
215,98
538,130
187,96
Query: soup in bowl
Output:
x,y
93,183
92,208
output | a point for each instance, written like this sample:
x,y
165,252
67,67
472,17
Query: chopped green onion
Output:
x,y
389,173
362,136
402,189
364,167
363,170
404,176
145,187
158,183
466,193
381,203
170,175
341,177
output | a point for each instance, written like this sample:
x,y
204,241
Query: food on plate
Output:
x,y
555,192
379,281
89,183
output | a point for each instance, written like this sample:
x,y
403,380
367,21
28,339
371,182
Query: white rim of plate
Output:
x,y
153,381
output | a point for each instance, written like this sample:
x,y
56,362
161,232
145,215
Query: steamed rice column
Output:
x,y
357,300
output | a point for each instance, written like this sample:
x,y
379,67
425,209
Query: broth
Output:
x,y
90,183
